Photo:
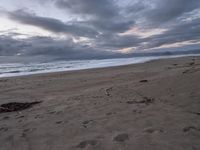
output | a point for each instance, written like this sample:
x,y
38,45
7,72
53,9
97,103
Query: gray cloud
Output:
x,y
169,10
118,42
102,21
186,31
93,8
51,24
104,15
10,46
49,47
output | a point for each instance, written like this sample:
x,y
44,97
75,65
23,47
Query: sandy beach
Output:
x,y
149,106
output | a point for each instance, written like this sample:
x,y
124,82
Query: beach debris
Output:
x,y
121,137
145,100
187,129
143,81
84,144
16,106
191,64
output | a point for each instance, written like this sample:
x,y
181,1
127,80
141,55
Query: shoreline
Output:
x,y
65,71
153,105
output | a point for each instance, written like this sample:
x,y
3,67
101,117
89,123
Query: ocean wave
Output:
x,y
8,70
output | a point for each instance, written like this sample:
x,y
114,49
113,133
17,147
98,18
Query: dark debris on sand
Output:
x,y
145,100
16,106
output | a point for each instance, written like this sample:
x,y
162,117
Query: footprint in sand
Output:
x,y
52,112
151,130
189,128
192,70
86,143
38,116
4,80
4,129
20,117
191,64
59,122
137,111
29,130
5,118
109,113
25,131
121,137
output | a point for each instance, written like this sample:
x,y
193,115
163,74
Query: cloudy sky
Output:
x,y
84,29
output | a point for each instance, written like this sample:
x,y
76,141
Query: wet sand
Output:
x,y
150,106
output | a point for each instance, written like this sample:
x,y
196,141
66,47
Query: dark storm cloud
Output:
x,y
49,47
168,10
104,15
187,31
117,41
10,46
94,8
51,24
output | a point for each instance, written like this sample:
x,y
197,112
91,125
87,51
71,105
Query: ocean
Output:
x,y
20,69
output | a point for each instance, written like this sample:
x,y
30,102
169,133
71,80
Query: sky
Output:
x,y
94,29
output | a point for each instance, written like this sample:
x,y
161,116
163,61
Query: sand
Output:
x,y
150,106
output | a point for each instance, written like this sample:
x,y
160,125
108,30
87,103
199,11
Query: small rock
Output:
x,y
137,111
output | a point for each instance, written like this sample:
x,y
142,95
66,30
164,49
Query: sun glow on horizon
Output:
x,y
143,33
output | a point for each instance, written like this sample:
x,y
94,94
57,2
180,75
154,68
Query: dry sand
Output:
x,y
150,106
